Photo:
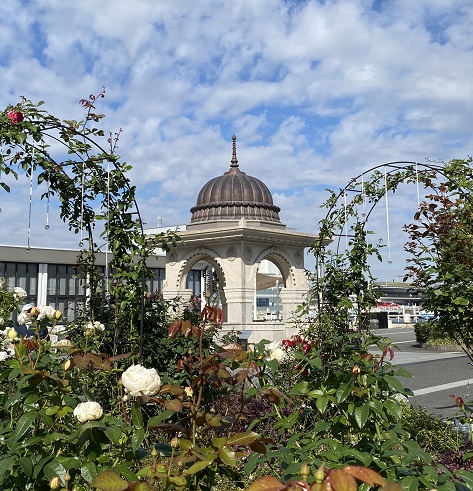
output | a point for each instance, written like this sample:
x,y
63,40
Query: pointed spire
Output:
x,y
234,157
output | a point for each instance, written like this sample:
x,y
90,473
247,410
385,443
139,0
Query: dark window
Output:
x,y
262,302
65,292
156,284
193,281
23,275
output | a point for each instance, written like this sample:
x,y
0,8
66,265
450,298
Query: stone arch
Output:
x,y
194,256
282,261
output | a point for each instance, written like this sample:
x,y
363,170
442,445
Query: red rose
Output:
x,y
15,116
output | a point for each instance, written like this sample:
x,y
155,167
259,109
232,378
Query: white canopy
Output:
x,y
268,276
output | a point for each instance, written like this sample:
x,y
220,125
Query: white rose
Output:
x,y
92,327
11,333
46,311
98,326
19,293
277,354
23,318
137,379
275,351
4,355
88,411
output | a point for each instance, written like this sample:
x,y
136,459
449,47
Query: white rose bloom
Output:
x,y
91,327
275,351
98,326
23,318
88,411
137,379
11,333
4,355
46,311
19,293
277,354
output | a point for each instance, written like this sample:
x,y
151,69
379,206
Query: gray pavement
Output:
x,y
436,374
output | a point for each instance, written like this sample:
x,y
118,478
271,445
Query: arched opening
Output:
x,y
269,280
204,278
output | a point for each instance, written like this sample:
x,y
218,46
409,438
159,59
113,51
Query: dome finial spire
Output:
x,y
234,157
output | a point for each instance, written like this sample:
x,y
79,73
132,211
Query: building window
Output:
x,y
156,284
23,275
193,281
262,302
65,292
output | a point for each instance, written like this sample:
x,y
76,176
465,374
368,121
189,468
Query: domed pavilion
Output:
x,y
235,227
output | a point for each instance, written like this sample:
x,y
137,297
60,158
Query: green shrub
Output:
x,y
422,331
429,430
430,332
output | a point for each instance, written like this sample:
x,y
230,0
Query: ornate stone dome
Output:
x,y
233,196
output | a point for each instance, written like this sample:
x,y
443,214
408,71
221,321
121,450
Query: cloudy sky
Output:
x,y
317,92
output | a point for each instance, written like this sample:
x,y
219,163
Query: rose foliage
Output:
x,y
87,414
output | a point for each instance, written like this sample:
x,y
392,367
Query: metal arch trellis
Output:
x,y
35,154
335,223
406,166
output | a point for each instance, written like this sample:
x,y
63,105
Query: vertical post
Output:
x,y
277,299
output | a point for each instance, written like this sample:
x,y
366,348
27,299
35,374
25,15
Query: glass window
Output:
x,y
65,291
23,275
262,302
193,281
155,284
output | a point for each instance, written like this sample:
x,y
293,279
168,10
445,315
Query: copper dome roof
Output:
x,y
233,196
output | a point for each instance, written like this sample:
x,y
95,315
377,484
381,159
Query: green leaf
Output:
x,y
393,408
322,403
315,362
467,476
394,383
26,464
228,456
113,433
109,480
54,468
343,392
126,473
243,438
137,438
361,415
198,466
52,410
301,388
179,481
219,442
24,422
136,414
88,471
156,420
6,463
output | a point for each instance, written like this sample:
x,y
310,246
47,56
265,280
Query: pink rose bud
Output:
x,y
15,116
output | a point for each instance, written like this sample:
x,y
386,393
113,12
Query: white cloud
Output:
x,y
316,92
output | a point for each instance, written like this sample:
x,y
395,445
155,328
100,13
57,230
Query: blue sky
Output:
x,y
317,92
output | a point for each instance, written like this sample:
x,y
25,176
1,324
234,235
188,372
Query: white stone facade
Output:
x,y
235,249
